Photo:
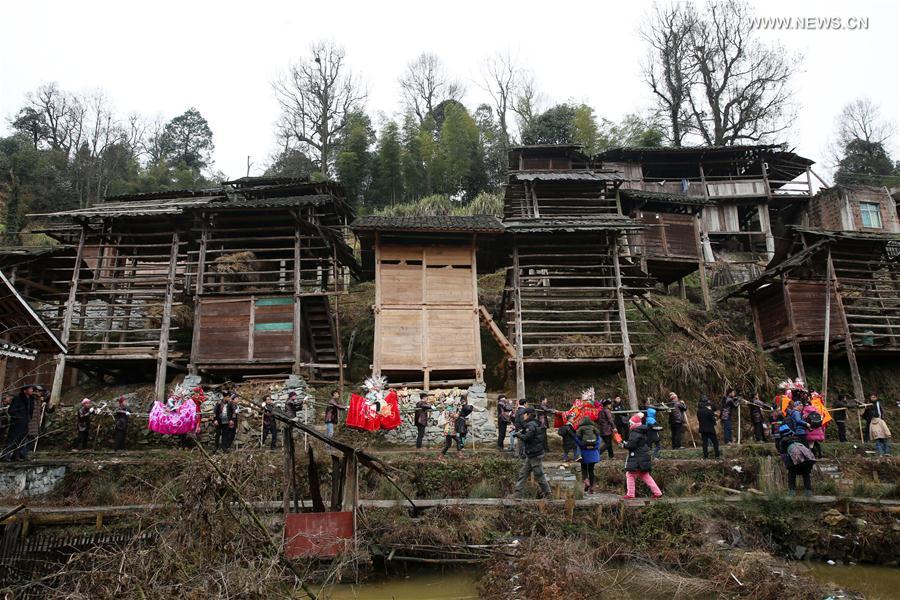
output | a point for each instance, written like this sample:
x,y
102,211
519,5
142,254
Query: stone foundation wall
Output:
x,y
482,428
19,481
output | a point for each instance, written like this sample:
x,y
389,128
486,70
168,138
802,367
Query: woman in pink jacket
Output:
x,y
816,433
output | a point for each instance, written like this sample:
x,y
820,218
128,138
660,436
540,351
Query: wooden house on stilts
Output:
x,y
236,280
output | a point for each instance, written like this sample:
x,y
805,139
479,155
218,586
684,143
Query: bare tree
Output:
x,y
63,114
502,78
527,101
668,68
316,97
862,120
742,92
425,85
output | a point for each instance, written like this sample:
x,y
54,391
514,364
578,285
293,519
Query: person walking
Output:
x,y
567,433
677,419
122,416
798,425
757,406
420,418
221,416
231,424
529,439
607,426
332,412
653,428
83,424
639,462
268,423
504,420
519,422
37,408
451,415
620,416
881,434
16,436
816,434
839,415
706,421
873,410
798,459
588,439
543,418
730,405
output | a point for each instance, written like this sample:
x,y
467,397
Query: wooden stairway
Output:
x,y
323,344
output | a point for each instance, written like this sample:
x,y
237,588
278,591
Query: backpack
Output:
x,y
814,419
588,437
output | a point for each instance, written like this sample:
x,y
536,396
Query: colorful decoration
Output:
x,y
788,388
378,409
179,414
581,408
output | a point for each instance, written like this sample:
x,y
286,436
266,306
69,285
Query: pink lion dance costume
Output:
x,y
179,415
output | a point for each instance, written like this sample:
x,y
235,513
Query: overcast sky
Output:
x,y
158,58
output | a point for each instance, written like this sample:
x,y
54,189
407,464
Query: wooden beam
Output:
x,y
827,333
623,327
56,390
503,342
517,305
198,292
479,366
376,347
795,344
162,357
298,303
701,263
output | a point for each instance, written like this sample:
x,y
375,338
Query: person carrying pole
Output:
x,y
532,445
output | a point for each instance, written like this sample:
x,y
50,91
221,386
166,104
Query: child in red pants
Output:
x,y
639,459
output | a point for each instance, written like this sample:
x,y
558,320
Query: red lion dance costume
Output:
x,y
581,408
378,409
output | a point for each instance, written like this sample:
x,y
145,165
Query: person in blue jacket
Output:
x,y
799,427
653,440
588,439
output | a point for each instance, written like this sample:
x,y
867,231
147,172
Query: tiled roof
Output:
x,y
468,224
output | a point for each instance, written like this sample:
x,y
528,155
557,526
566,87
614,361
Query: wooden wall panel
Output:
x,y
448,285
401,284
451,338
400,334
223,329
448,255
273,329
808,302
768,304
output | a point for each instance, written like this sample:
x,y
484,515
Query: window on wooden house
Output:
x,y
871,214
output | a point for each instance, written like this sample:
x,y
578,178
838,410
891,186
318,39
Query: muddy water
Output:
x,y
421,586
875,583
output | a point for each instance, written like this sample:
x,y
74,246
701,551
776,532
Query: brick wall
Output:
x,y
825,209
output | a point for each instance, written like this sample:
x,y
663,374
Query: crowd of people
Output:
x,y
796,421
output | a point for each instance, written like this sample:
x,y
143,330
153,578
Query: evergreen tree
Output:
x,y
387,180
866,163
354,161
460,166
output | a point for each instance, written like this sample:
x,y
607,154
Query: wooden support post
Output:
x,y
848,338
478,366
287,469
338,344
827,330
701,262
56,390
376,346
298,303
623,327
349,497
682,292
162,355
517,302
198,294
795,345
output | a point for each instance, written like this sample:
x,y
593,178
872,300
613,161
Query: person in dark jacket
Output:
x,y
268,423
220,420
83,424
589,442
519,422
122,415
794,418
420,418
504,420
225,415
839,415
730,405
607,426
620,415
567,433
638,464
529,438
543,418
332,412
757,408
799,460
872,411
231,425
293,406
706,419
677,419
462,424
18,425
38,406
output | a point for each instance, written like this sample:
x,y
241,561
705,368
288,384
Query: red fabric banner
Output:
x,y
372,417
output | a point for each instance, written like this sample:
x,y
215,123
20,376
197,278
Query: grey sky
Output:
x,y
161,57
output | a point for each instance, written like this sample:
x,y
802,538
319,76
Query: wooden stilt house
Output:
x,y
572,273
829,294
427,325
235,280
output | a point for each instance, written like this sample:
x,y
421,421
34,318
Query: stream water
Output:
x,y
875,583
